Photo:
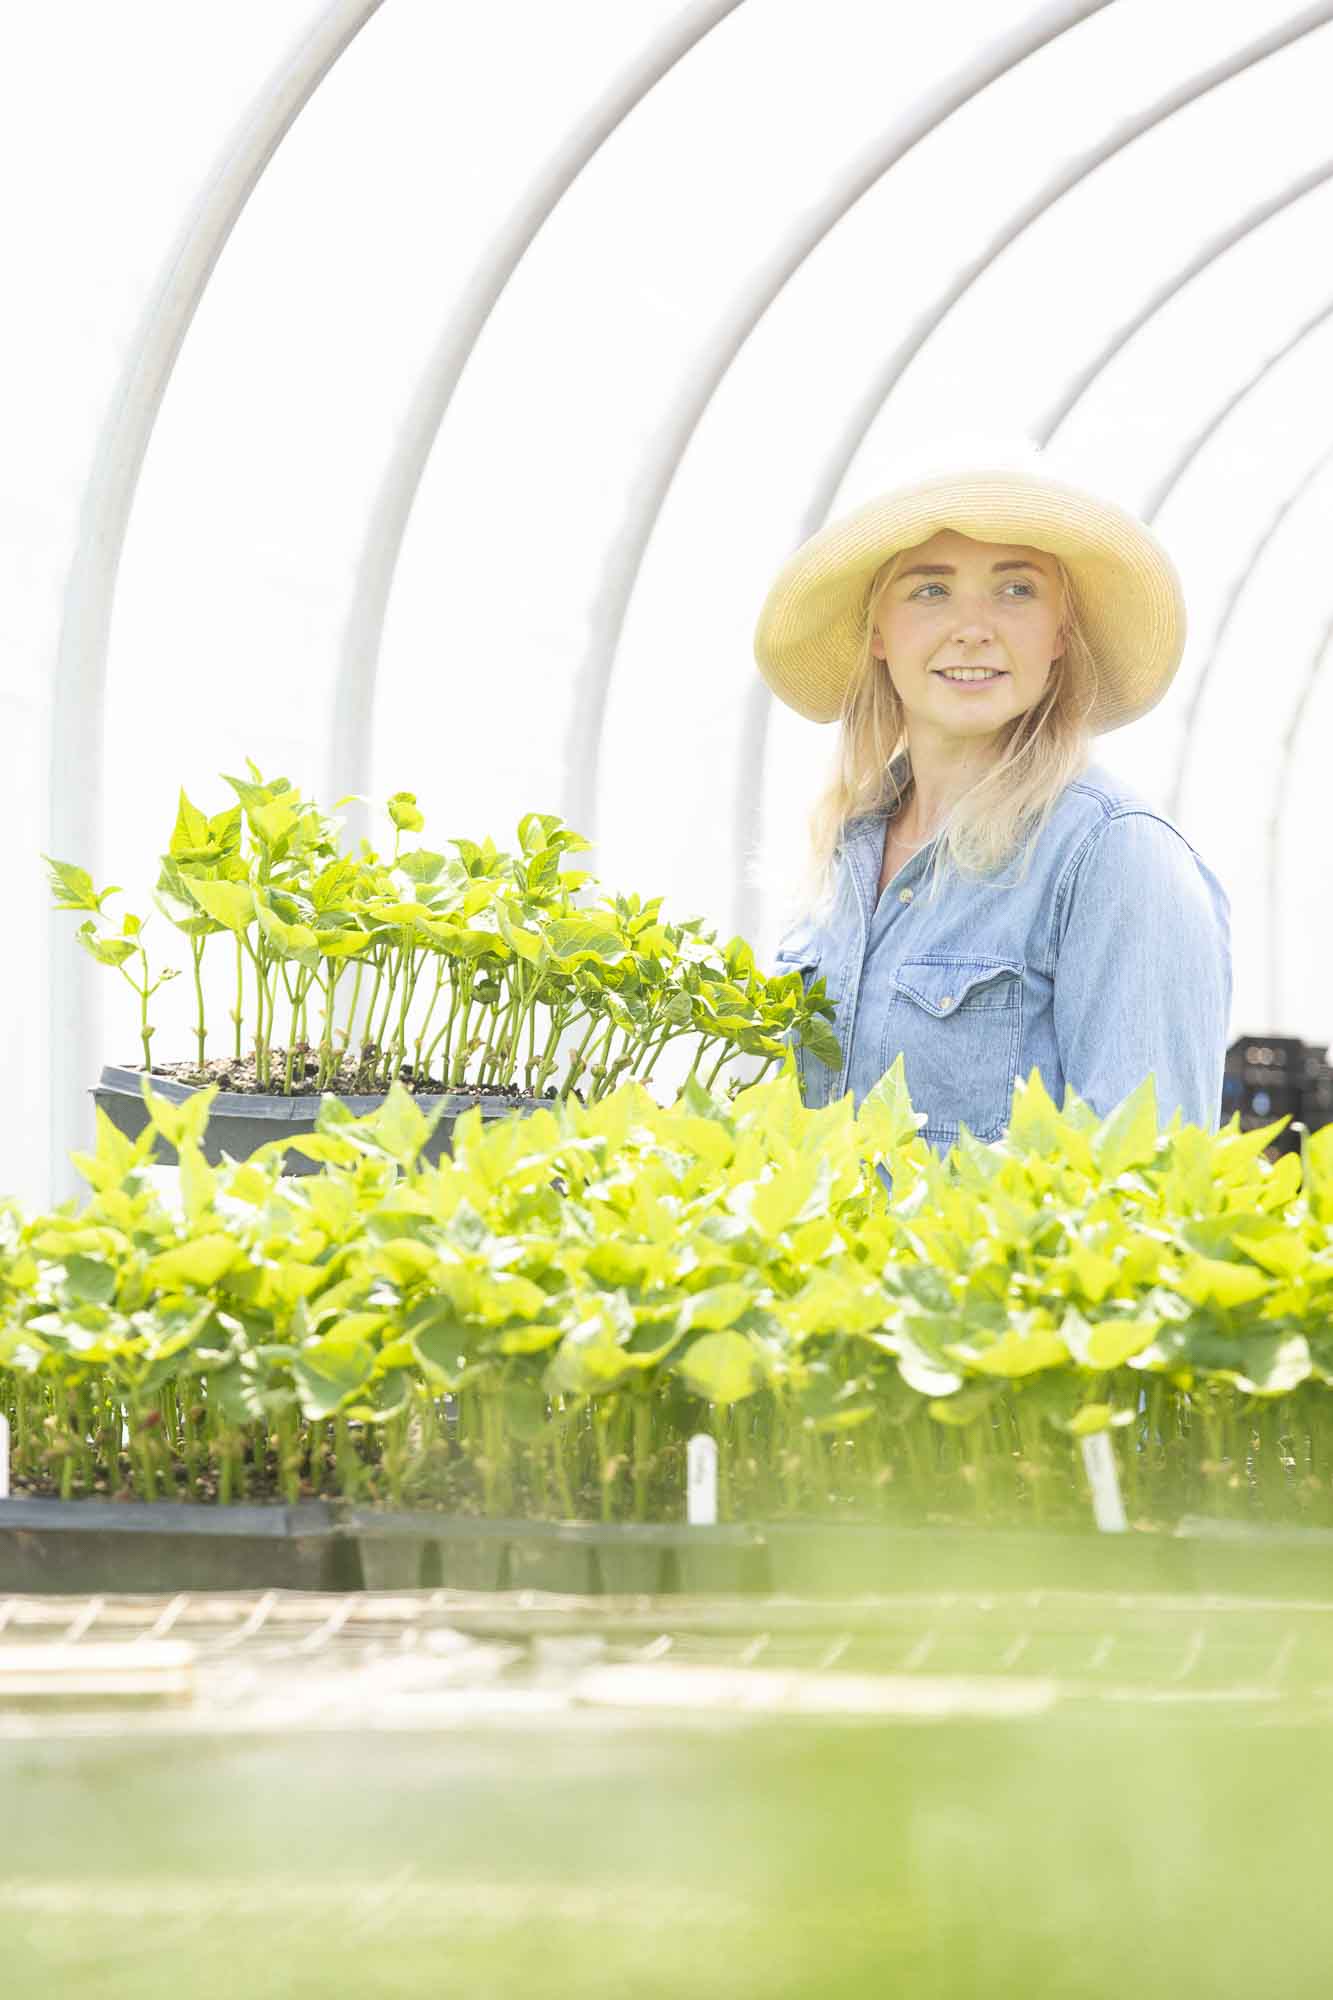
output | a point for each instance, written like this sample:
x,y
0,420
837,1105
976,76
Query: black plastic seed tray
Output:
x,y
98,1545
95,1545
240,1121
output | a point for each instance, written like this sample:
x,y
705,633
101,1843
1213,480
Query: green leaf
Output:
x,y
721,1367
275,819
404,813
616,1263
1095,1417
400,1127
575,940
228,903
178,1122
534,829
823,1044
885,1120
526,943
777,1202
199,1263
89,1281
73,887
965,1406
296,941
923,1371
116,1157
189,836
717,1306
835,1302
1209,1281
420,865
330,1370
1275,1246
1036,1127
107,951
1272,1364
198,1182
1109,1343
1317,1161
1127,1136
591,1359
1027,1345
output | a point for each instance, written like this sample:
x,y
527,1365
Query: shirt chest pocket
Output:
x,y
958,1025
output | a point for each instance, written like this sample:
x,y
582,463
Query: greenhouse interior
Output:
x,y
563,1222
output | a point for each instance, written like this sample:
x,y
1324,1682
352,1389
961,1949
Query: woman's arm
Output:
x,y
1142,933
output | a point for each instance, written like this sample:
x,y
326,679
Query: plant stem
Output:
x,y
345,1034
200,1026
240,993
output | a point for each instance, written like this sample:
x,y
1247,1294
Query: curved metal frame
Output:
x,y
1217,246
1158,499
1167,487
1232,601
1273,830
74,817
754,729
351,742
583,742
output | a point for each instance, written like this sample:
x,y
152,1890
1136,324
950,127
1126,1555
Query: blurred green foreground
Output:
x,y
1160,1829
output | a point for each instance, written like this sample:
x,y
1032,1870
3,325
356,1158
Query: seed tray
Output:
x,y
91,1545
241,1121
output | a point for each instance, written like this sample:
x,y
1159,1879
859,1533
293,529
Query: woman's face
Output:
x,y
991,605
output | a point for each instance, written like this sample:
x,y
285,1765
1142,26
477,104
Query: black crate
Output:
x,y
1267,1077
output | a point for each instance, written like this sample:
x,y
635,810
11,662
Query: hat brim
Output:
x,y
1127,591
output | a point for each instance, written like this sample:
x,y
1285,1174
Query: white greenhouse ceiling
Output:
x,y
407,396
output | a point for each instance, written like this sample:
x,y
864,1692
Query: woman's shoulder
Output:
x,y
1111,830
1098,795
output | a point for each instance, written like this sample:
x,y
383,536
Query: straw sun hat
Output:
x,y
1126,588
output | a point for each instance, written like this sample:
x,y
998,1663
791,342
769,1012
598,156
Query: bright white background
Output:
x,y
324,519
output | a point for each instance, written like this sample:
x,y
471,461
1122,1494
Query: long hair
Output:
x,y
1001,816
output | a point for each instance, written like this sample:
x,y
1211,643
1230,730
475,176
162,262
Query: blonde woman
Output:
x,y
984,898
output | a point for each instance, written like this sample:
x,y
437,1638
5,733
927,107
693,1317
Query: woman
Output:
x,y
985,900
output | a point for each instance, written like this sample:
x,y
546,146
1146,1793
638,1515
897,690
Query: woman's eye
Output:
x,y
1017,584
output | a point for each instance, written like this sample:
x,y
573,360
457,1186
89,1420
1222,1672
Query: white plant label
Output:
x,y
1108,1508
4,1458
701,1481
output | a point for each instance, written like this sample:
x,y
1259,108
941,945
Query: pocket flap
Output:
x,y
799,949
941,985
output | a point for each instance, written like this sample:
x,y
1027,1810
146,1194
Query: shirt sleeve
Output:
x,y
1143,971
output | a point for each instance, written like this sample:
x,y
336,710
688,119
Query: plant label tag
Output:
x,y
1108,1508
4,1458
701,1481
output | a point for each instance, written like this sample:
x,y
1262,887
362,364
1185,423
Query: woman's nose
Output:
x,y
973,616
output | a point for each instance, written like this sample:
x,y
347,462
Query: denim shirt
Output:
x,y
1110,959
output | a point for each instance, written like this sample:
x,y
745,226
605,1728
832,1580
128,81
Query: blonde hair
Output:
x,y
1004,812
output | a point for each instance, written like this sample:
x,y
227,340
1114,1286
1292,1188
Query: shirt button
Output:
x,y
904,895
947,1000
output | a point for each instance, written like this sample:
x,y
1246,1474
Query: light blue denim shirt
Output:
x,y
1110,959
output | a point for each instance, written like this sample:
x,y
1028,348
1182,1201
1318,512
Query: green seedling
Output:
x,y
123,950
540,1323
462,967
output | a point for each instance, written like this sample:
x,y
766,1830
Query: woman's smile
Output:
x,y
970,677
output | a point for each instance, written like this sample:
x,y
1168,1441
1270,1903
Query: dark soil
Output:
x,y
350,1079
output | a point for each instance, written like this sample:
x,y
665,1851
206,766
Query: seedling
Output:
x,y
473,968
544,1321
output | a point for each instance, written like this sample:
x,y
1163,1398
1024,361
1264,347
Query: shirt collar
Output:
x,y
863,840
